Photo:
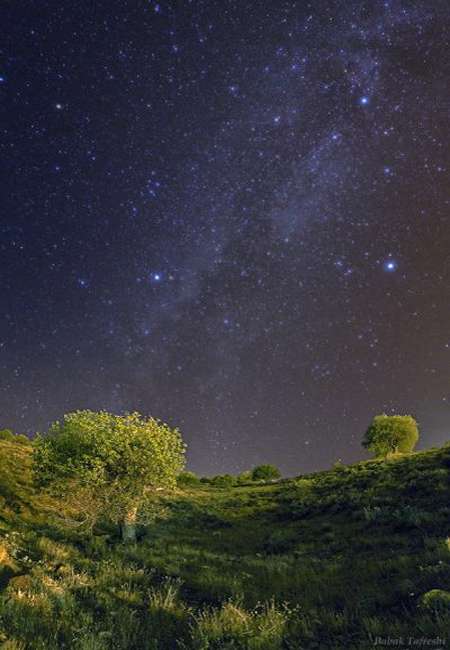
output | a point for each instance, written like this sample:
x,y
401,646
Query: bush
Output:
x,y
223,481
436,600
244,477
21,439
265,473
187,479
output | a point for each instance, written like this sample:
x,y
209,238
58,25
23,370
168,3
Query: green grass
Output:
x,y
331,560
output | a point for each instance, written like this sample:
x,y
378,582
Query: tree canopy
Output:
x,y
110,462
265,473
390,434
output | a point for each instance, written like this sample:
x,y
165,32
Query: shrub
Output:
x,y
223,481
188,479
21,439
244,477
436,600
265,473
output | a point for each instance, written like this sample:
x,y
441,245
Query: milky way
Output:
x,y
232,216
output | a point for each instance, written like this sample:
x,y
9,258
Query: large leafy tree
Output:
x,y
391,434
109,464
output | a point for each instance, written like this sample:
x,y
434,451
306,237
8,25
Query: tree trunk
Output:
x,y
128,526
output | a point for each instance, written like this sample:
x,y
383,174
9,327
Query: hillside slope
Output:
x,y
331,560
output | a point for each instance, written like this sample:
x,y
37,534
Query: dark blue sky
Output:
x,y
232,216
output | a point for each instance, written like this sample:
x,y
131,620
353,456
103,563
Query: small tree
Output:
x,y
391,434
265,473
108,464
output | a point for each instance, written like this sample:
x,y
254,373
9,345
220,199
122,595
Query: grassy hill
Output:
x,y
330,560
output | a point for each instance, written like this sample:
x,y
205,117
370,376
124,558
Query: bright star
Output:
x,y
390,266
364,100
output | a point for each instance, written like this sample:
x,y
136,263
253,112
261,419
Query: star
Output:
x,y
221,193
390,265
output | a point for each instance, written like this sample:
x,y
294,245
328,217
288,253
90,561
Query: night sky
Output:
x,y
234,216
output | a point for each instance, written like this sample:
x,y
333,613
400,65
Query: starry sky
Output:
x,y
230,215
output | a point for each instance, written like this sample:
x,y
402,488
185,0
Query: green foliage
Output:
x,y
265,473
223,481
188,479
390,434
406,515
436,599
21,439
108,463
168,615
232,626
244,477
330,560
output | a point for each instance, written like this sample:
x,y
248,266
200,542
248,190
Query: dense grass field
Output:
x,y
345,558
